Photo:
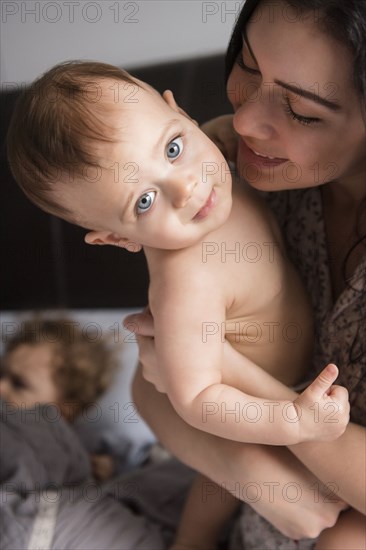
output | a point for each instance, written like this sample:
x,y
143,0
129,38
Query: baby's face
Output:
x,y
28,377
164,184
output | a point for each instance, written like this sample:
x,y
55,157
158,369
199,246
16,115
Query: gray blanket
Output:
x,y
43,466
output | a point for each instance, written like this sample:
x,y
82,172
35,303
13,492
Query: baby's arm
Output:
x,y
190,364
207,509
321,412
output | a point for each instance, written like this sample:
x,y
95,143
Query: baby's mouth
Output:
x,y
207,207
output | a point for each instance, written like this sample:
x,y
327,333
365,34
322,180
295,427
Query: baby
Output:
x,y
51,361
101,149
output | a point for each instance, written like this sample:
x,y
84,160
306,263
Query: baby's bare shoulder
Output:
x,y
182,270
251,218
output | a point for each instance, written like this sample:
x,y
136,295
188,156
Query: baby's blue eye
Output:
x,y
174,148
145,202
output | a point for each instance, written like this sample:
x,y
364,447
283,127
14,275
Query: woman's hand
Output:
x,y
220,130
249,471
142,324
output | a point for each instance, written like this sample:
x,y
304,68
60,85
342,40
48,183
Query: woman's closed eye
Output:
x,y
304,120
145,202
240,61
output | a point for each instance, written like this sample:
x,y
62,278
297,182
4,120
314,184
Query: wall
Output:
x,y
37,34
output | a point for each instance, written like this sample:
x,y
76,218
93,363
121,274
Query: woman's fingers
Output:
x,y
148,360
140,323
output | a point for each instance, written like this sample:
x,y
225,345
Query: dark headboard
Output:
x,y
45,263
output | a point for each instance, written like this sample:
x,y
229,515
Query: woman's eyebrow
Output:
x,y
296,89
309,95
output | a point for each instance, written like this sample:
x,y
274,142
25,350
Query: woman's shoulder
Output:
x,y
290,205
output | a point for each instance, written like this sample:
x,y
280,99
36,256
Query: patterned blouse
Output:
x,y
340,331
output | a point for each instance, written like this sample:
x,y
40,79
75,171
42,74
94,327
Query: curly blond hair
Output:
x,y
83,366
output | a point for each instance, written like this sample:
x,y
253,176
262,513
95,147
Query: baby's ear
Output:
x,y
104,237
170,100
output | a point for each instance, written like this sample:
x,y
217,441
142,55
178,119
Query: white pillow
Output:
x,y
113,423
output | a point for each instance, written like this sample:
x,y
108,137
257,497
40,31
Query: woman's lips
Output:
x,y
250,157
207,207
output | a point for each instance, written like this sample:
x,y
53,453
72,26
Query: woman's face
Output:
x,y
297,113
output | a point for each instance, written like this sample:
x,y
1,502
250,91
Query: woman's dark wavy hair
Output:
x,y
343,20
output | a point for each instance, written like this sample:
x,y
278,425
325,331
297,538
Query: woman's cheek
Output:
x,y
238,86
229,90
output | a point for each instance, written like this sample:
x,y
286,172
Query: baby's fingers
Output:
x,y
323,382
338,410
339,394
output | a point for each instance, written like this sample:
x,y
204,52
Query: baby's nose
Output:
x,y
181,190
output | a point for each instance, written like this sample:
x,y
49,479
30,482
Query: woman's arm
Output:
x,y
331,462
263,476
341,464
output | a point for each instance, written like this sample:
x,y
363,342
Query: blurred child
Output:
x,y
52,361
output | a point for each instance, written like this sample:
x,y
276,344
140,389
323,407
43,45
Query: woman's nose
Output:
x,y
254,119
254,105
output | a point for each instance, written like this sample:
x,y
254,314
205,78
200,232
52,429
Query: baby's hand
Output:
x,y
323,408
220,130
102,466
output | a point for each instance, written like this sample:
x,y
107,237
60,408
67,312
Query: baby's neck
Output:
x,y
154,256
158,257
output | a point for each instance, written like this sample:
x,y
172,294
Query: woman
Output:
x,y
297,83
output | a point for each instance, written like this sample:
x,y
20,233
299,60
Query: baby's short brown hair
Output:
x,y
54,123
83,365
